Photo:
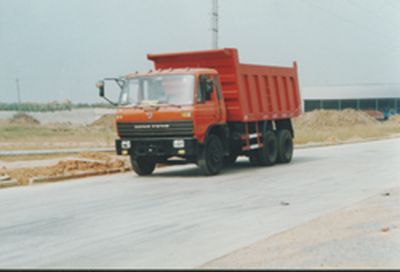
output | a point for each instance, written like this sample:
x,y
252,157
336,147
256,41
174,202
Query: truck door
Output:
x,y
207,107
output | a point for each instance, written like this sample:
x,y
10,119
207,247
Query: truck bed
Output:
x,y
251,92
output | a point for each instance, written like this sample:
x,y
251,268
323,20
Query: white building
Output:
x,y
382,97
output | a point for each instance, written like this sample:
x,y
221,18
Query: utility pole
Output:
x,y
214,24
18,93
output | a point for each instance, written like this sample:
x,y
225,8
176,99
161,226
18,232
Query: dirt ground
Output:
x,y
26,132
331,126
365,235
61,167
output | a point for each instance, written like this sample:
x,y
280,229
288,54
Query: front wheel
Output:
x,y
143,166
211,157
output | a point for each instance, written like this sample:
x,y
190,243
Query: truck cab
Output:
x,y
164,114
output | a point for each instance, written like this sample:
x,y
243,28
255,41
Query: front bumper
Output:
x,y
156,147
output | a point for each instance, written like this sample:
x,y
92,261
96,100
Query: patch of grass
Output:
x,y
18,137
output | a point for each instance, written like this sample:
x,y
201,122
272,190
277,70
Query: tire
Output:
x,y
285,146
143,166
268,154
211,157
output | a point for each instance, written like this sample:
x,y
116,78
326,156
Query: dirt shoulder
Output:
x,y
365,235
27,172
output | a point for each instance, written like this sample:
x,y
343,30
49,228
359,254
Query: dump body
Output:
x,y
251,92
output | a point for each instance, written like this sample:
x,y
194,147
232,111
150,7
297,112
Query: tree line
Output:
x,y
50,106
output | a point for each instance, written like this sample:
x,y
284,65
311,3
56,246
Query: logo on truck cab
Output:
x,y
152,126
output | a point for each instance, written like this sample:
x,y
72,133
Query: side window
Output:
x,y
202,94
217,87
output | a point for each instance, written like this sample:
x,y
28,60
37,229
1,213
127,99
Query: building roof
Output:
x,y
351,91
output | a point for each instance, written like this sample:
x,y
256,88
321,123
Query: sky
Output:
x,y
58,49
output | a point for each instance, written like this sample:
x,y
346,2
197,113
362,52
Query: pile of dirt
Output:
x,y
96,156
105,121
333,118
62,168
395,118
375,114
22,118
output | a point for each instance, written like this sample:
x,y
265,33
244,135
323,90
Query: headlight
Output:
x,y
178,143
126,144
186,114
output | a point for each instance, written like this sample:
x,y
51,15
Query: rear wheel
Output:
x,y
211,158
285,146
143,166
267,155
269,152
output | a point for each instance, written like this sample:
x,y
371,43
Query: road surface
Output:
x,y
365,235
179,219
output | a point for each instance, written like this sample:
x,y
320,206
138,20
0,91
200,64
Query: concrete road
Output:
x,y
179,219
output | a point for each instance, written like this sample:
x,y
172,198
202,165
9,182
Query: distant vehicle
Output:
x,y
386,114
205,107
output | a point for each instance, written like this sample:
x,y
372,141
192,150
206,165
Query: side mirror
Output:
x,y
100,86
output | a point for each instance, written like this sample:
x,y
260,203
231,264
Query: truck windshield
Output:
x,y
165,89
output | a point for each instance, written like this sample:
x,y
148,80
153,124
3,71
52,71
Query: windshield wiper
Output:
x,y
169,104
174,105
143,105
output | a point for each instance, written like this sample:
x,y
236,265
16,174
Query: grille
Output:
x,y
155,129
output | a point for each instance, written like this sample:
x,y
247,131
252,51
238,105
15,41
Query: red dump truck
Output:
x,y
206,107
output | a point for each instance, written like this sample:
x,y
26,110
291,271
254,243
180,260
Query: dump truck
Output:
x,y
206,108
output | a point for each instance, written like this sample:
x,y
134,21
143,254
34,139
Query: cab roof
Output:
x,y
178,71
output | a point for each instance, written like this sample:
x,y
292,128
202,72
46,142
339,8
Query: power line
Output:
x,y
393,5
347,20
356,5
363,84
